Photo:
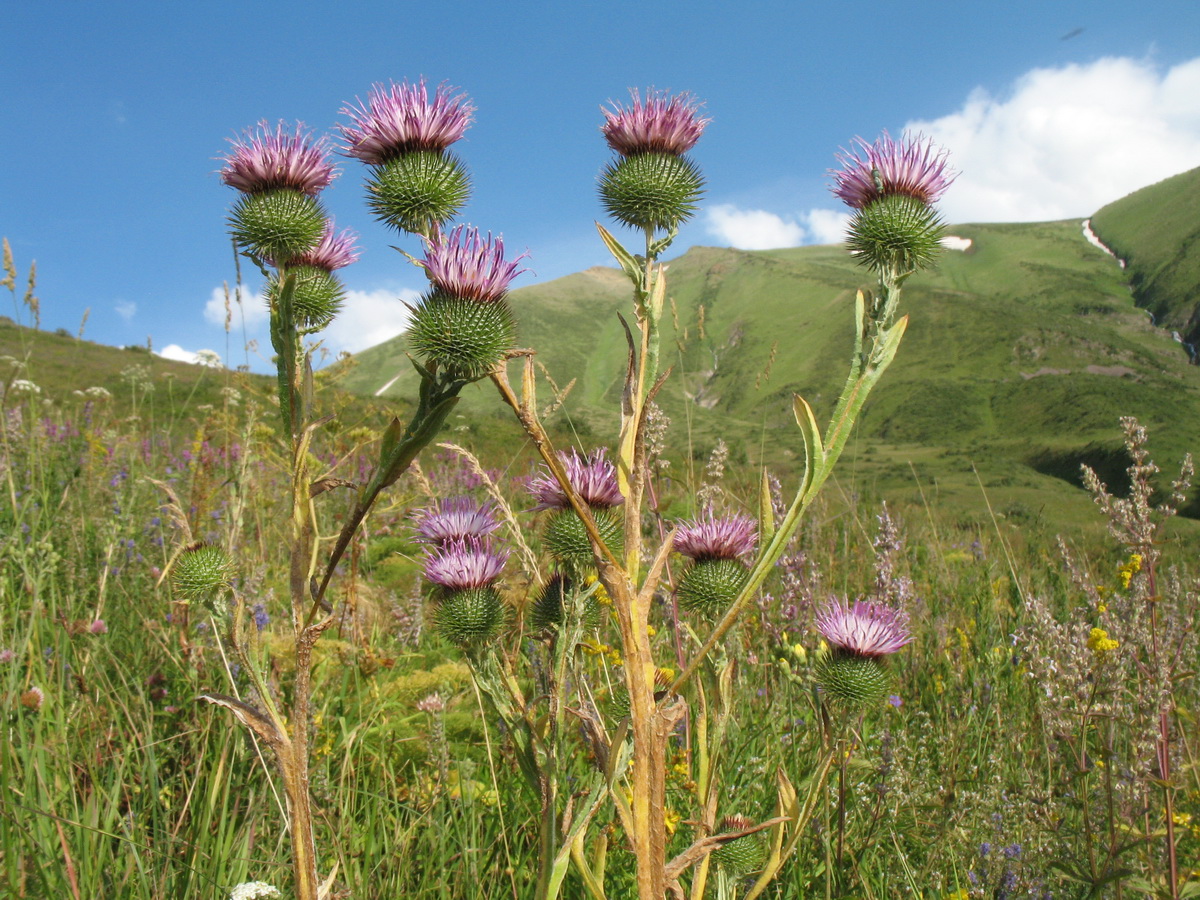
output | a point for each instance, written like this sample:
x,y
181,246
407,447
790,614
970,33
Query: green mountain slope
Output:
x,y
1021,354
1157,232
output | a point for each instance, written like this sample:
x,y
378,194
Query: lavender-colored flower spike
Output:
x,y
455,518
593,476
912,167
402,119
465,563
263,161
710,537
463,264
864,629
660,124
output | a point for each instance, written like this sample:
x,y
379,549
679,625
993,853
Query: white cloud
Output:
x,y
1063,142
253,307
369,318
826,226
752,229
758,229
126,309
200,357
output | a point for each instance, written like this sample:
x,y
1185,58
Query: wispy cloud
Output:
x,y
759,229
1062,142
223,302
369,318
126,309
199,357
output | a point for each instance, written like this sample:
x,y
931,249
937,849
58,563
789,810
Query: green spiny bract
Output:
x,y
859,681
465,338
567,539
202,572
709,585
742,855
651,191
417,190
277,225
317,298
469,617
895,233
549,609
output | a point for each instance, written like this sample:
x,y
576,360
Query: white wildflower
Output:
x,y
24,386
254,890
209,358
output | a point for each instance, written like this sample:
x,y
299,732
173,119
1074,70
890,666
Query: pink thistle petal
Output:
x,y
709,537
660,124
465,563
864,629
400,118
912,167
263,160
455,518
463,264
594,477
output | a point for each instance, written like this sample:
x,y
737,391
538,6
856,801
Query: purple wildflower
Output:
x,y
864,629
912,167
401,119
455,518
709,537
263,160
593,476
660,124
463,264
334,251
98,626
465,563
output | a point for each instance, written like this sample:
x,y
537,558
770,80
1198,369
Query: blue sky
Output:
x,y
114,116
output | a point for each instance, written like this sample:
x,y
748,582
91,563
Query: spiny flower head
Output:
x,y
400,118
710,537
593,476
333,251
455,518
263,160
659,124
866,629
465,563
911,167
464,265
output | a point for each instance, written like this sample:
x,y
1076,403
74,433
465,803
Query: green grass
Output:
x,y
122,784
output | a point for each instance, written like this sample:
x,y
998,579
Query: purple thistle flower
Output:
x,y
864,629
660,124
465,563
709,537
593,476
912,167
263,161
401,119
455,518
334,251
463,264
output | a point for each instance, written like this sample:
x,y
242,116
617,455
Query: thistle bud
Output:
x,y
742,855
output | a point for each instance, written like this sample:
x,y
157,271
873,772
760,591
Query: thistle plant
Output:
x,y
463,330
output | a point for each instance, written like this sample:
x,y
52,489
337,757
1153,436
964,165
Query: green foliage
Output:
x,y
1156,232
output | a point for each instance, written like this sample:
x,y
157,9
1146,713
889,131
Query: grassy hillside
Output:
x,y
1022,353
1157,232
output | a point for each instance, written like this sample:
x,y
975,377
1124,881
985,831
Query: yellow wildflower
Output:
x,y
1100,643
1127,570
671,820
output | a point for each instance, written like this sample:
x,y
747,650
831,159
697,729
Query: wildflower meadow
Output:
x,y
261,640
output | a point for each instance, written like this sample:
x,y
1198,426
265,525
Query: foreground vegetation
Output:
x,y
1016,758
